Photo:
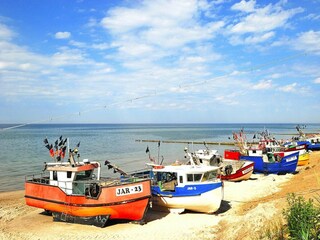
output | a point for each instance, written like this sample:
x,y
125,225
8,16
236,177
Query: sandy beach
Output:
x,y
247,207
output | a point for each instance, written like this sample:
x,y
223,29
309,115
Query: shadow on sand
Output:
x,y
155,214
224,207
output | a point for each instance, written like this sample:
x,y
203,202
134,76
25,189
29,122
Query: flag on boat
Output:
x,y
63,152
51,152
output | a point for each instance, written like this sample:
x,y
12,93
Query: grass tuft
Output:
x,y
303,217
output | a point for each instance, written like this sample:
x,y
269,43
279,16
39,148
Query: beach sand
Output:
x,y
247,207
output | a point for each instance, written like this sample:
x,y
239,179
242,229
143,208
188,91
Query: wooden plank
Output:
x,y
187,142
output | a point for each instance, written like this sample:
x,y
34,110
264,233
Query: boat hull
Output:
x,y
196,200
304,159
313,146
288,164
304,155
242,173
109,204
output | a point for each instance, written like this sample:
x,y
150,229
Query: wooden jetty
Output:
x,y
188,142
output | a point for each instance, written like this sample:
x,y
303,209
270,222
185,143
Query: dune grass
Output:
x,y
300,221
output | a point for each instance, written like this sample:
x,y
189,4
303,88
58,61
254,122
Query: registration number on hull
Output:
x,y
129,190
291,159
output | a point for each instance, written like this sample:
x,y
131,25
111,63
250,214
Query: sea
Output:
x,y
23,151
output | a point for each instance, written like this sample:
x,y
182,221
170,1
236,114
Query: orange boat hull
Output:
x,y
127,206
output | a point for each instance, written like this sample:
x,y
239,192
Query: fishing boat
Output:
x,y
186,187
266,159
230,170
268,145
183,186
311,140
272,163
304,154
235,171
73,191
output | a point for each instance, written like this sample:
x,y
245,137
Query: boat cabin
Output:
x,y
75,179
170,177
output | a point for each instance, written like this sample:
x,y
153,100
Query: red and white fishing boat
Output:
x,y
230,170
73,191
235,171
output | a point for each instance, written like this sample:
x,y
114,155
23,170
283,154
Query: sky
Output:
x,y
159,61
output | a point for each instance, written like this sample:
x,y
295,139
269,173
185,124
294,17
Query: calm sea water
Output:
x,y
22,151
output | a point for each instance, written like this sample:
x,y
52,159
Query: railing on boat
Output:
x,y
81,187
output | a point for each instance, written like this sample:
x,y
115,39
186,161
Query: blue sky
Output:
x,y
159,61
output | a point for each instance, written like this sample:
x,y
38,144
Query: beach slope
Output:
x,y
247,207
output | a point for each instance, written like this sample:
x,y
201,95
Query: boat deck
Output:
x,y
79,187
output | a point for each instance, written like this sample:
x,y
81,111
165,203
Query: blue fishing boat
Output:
x,y
273,163
311,144
187,187
312,141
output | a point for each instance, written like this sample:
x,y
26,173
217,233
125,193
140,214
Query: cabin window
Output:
x,y
83,175
194,177
197,177
180,179
254,151
166,176
55,176
69,173
209,176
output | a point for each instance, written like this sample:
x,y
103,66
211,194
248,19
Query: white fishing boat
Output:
x,y
187,187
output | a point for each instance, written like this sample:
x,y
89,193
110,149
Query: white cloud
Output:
x,y
77,44
259,38
288,88
266,84
167,24
101,46
62,35
67,57
275,75
24,73
228,100
260,22
93,22
165,14
263,20
245,6
5,32
252,39
163,34
317,80
308,41
312,16
164,47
